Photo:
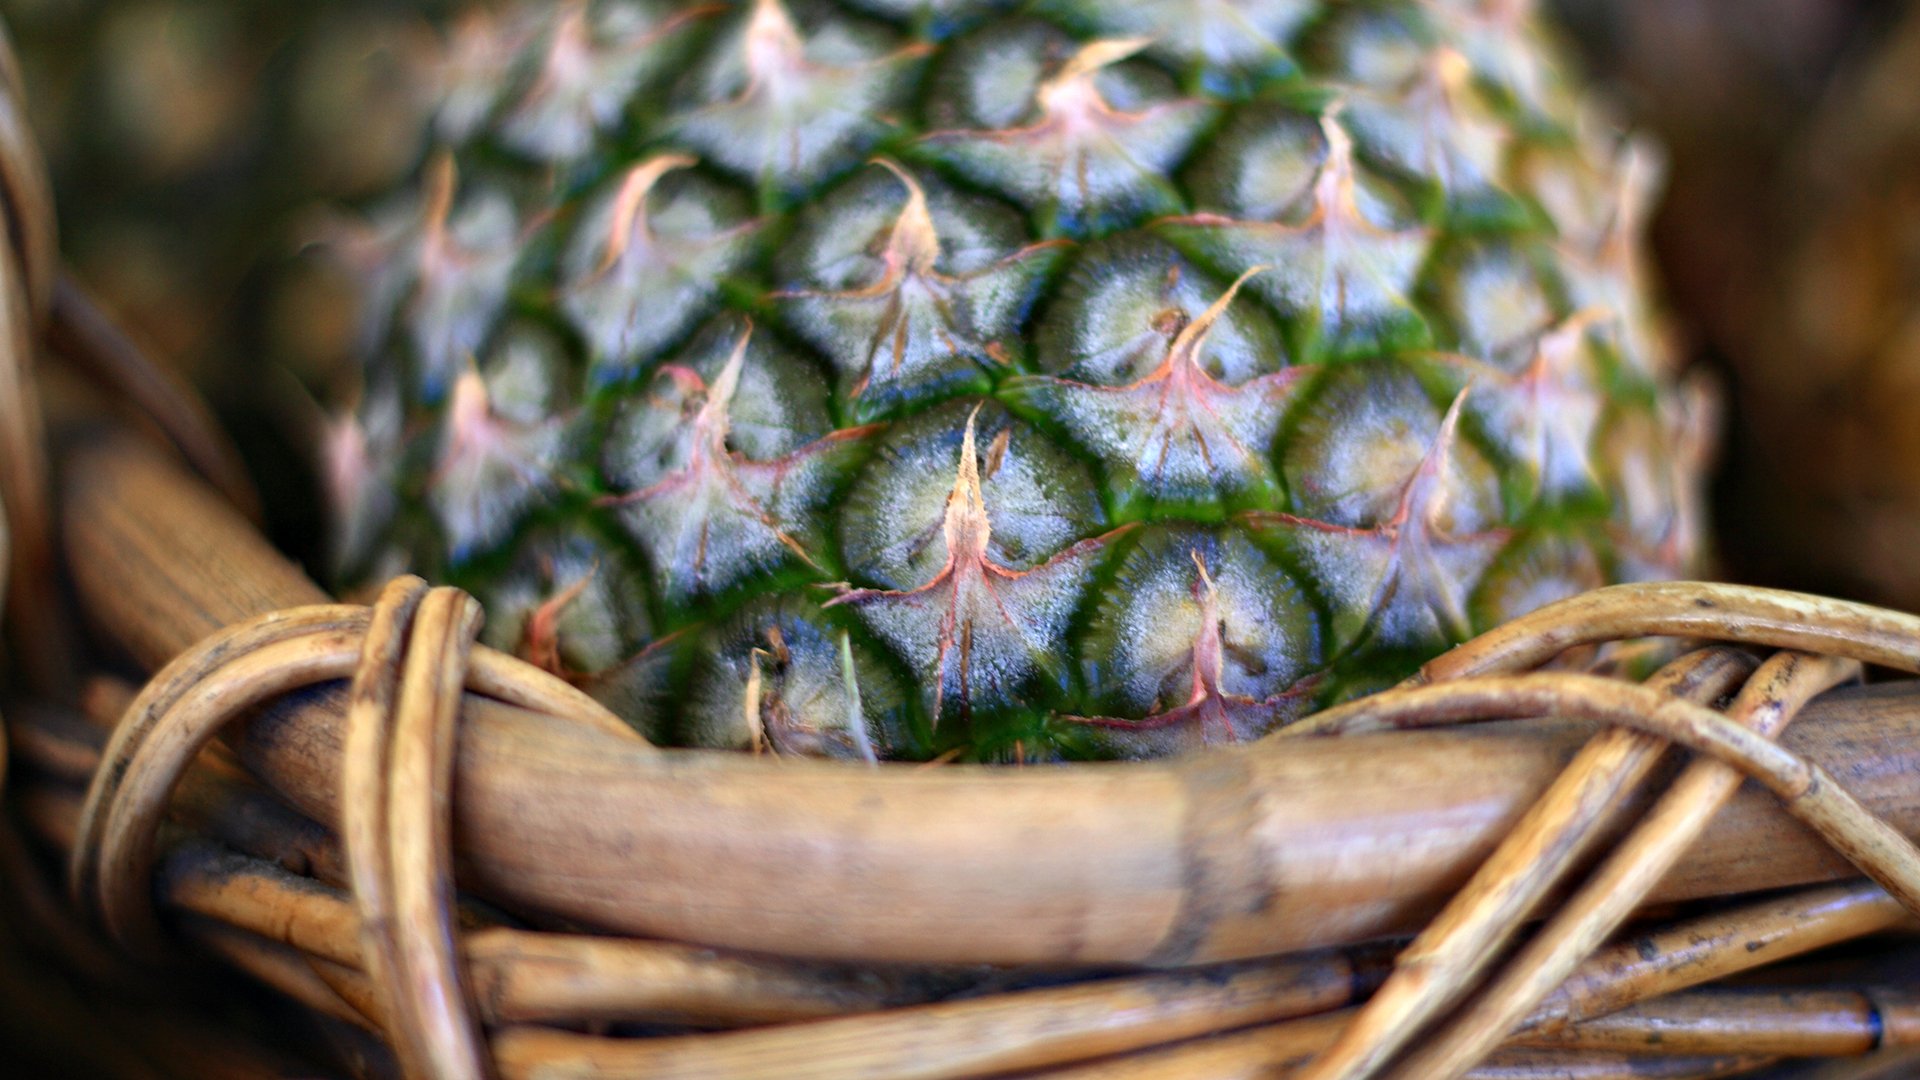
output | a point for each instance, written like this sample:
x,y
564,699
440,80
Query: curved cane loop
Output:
x,y
1767,704
1476,682
508,678
363,767
1688,609
397,823
1544,846
168,725
410,658
1805,790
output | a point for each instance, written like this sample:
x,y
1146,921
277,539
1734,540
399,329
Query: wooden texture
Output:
x,y
264,919
955,1040
1281,1051
402,713
1225,855
1556,834
1767,704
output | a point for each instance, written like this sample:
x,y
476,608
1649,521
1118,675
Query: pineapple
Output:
x,y
902,378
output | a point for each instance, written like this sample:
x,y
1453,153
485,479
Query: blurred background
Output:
x,y
194,147
192,141
1789,242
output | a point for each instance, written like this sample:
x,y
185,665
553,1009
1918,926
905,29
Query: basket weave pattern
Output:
x,y
338,800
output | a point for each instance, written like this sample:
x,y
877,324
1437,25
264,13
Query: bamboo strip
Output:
x,y
1559,1065
1269,1052
953,1040
1808,792
1438,974
221,803
1643,967
280,967
104,698
353,988
400,724
32,901
55,742
1221,856
244,816
181,710
33,598
101,1017
1768,703
28,194
167,727
1281,1051
6,567
1893,1064
962,1038
321,922
34,614
1713,946
523,976
976,1036
280,907
519,975
1786,1023
1688,609
1560,829
957,1038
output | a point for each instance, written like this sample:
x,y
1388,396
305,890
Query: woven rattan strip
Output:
x,y
410,976
409,657
525,1051
399,764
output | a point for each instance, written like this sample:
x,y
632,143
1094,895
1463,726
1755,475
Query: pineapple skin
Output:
x,y
887,379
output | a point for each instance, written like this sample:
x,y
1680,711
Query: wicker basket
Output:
x,y
451,864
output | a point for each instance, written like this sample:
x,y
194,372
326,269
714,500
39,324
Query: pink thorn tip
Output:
x,y
966,524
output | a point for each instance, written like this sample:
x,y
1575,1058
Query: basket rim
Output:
x,y
1224,854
